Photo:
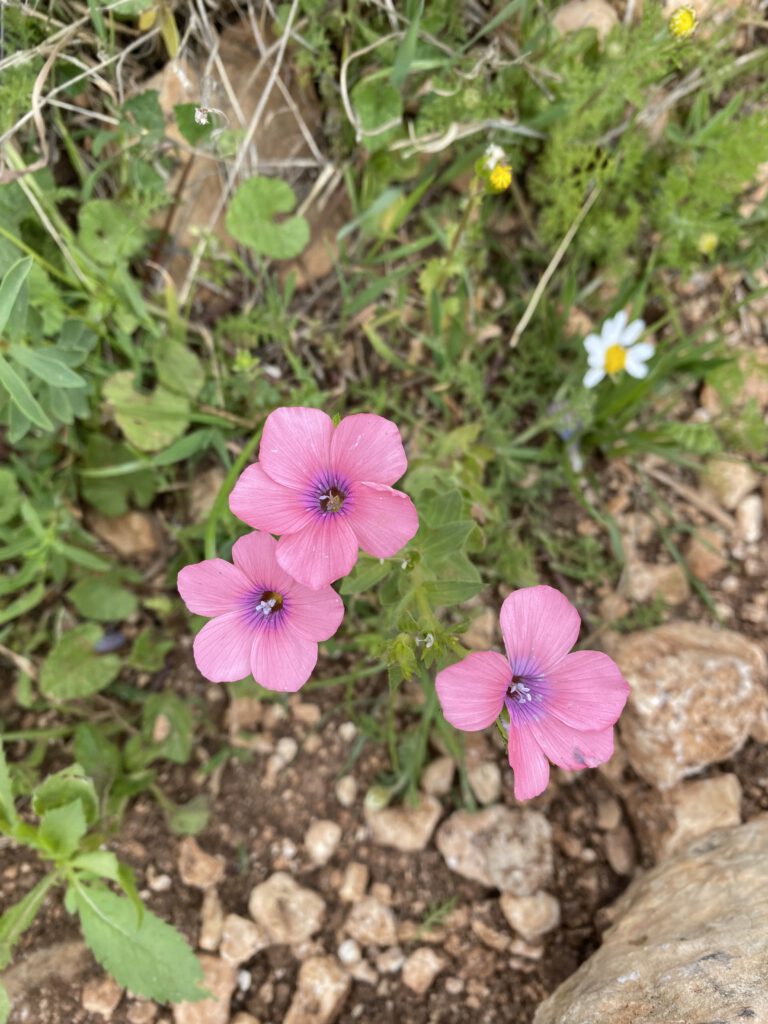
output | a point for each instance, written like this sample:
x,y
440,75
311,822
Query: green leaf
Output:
x,y
149,422
193,132
190,818
76,341
23,604
103,599
439,509
251,219
444,542
22,397
7,803
47,367
407,49
447,592
112,496
62,788
109,234
5,1005
366,574
99,757
149,650
178,368
72,669
62,829
103,863
10,288
166,727
10,495
379,106
150,958
15,921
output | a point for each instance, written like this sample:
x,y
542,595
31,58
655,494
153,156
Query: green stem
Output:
x,y
221,498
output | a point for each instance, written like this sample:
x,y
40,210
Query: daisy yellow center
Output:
x,y
683,22
615,359
500,178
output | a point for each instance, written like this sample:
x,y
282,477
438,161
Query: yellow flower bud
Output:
x,y
683,22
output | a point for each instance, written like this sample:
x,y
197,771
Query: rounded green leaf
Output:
x,y
251,219
103,599
73,669
149,421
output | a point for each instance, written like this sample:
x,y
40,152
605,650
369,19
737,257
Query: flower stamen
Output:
x,y
270,603
332,500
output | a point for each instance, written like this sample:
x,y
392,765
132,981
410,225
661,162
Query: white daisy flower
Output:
x,y
614,350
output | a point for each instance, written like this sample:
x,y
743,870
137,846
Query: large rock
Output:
x,y
504,849
689,810
690,942
695,694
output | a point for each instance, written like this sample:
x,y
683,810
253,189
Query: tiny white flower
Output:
x,y
201,115
494,155
614,350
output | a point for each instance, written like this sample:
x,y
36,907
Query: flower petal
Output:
x,y
471,692
282,660
222,648
632,332
587,690
642,352
613,328
570,748
315,614
296,446
368,447
593,376
527,761
255,555
595,348
322,552
212,587
266,505
384,520
635,367
540,626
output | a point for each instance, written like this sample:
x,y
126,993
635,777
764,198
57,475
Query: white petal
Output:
x,y
632,332
642,352
593,376
595,345
612,329
635,367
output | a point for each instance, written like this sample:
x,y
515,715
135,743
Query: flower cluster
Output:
x,y
328,492
494,170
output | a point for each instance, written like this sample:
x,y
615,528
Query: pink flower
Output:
x,y
264,622
558,705
327,491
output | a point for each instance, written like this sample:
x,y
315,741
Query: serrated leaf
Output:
x,y
16,919
150,958
47,367
251,219
21,397
62,787
73,670
149,421
62,828
10,288
103,599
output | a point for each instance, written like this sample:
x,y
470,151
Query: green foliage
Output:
x,y
103,599
73,669
251,219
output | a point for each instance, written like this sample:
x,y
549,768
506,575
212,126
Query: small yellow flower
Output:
x,y
683,22
500,178
707,243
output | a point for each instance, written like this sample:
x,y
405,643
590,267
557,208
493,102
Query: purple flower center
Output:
x,y
524,698
330,496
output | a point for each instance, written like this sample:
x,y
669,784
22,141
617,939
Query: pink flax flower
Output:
x,y
264,622
555,706
327,491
